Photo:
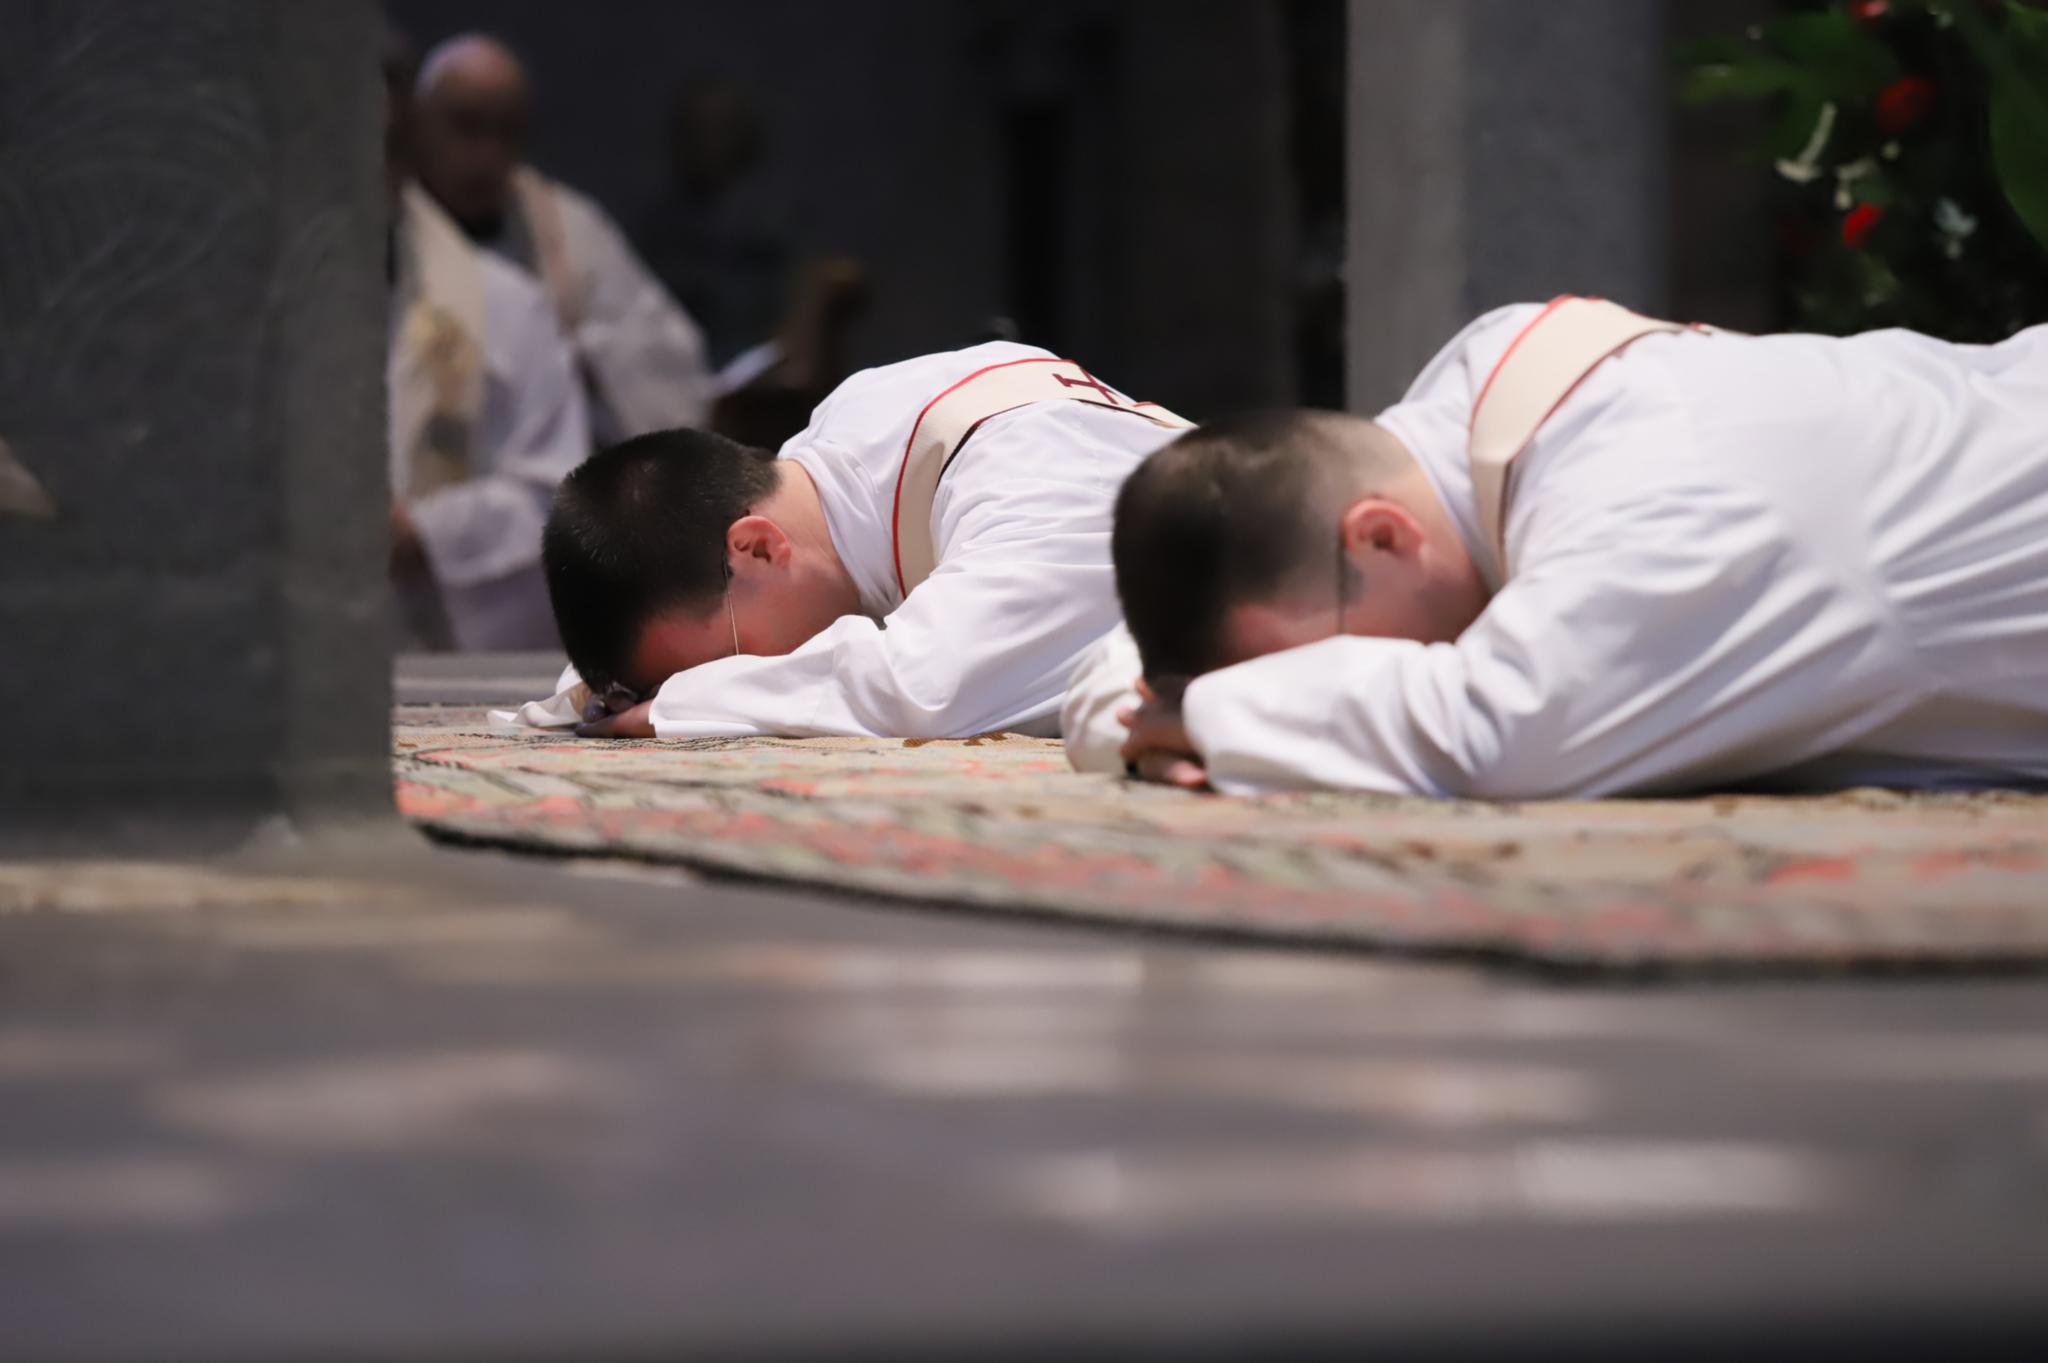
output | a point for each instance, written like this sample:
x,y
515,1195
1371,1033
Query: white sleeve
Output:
x,y
1103,684
986,642
1023,588
562,710
1702,648
646,354
532,432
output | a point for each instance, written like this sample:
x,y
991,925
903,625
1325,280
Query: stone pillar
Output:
x,y
1500,151
192,486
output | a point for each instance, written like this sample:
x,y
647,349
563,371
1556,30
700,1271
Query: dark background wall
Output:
x,y
1723,252
1113,176
1157,187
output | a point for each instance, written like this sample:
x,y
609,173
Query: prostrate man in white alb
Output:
x,y
642,358
930,558
1593,555
485,418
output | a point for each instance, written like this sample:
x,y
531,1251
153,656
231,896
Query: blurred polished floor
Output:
x,y
378,1100
475,679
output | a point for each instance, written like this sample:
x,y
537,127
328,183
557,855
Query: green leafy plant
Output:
x,y
1909,139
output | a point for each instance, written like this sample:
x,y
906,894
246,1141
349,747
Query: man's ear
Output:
x,y
757,541
1373,525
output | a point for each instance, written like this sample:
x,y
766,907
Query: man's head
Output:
x,y
682,547
472,111
1265,532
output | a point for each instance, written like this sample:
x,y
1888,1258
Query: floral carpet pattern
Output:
x,y
1867,878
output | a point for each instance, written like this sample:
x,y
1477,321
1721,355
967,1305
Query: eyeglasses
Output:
x,y
615,699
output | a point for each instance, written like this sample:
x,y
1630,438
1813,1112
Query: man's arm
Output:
x,y
1104,685
987,642
1706,649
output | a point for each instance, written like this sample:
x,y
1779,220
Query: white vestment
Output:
x,y
1786,560
1021,589
642,358
481,530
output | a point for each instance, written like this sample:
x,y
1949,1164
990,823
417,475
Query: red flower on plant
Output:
x,y
1857,227
1903,103
1869,11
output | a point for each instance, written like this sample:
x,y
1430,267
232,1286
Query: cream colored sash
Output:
x,y
1541,368
437,371
539,201
949,419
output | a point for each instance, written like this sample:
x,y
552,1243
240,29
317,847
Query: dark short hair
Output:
x,y
1237,510
639,529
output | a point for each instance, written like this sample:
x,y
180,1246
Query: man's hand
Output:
x,y
1159,748
408,555
634,723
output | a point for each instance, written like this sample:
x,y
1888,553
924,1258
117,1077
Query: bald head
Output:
x,y
472,63
472,104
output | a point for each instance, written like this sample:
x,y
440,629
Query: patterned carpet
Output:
x,y
1863,879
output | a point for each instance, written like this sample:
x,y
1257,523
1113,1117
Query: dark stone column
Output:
x,y
193,488
1500,151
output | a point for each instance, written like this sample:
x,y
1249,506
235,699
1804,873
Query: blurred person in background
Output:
x,y
729,265
486,418
641,358
776,329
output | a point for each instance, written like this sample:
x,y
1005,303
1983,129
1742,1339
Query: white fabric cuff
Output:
x,y
563,710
